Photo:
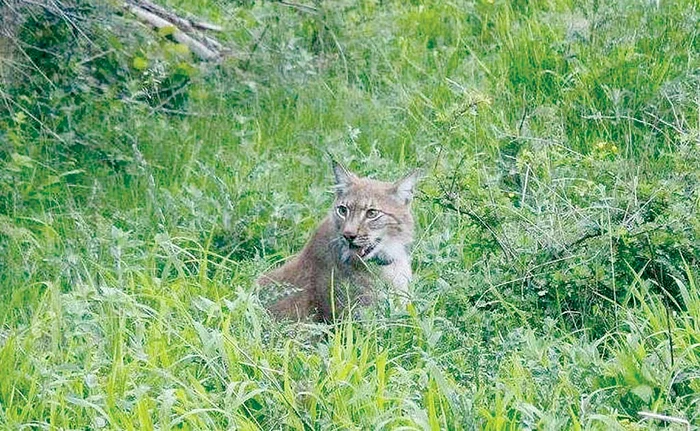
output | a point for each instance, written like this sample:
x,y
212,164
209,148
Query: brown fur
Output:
x,y
370,222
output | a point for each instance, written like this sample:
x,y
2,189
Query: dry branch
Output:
x,y
183,23
448,204
185,30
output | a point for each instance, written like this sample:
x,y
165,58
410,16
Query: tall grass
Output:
x,y
556,261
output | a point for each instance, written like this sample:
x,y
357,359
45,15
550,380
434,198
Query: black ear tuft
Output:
x,y
343,178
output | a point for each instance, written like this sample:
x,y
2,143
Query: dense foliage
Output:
x,y
557,258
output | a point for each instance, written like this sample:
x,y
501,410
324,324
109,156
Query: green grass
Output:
x,y
556,260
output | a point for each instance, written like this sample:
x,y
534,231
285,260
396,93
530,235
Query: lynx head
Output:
x,y
373,218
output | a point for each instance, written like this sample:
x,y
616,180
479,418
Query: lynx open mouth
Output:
x,y
362,251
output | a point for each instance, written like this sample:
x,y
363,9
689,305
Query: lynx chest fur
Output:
x,y
365,236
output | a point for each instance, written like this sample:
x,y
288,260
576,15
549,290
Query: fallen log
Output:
x,y
185,31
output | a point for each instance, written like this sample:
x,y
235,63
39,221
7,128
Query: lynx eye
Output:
x,y
342,211
372,214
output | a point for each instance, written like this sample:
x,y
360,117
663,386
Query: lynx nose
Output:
x,y
349,236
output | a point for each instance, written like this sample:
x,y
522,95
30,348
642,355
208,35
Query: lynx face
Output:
x,y
372,218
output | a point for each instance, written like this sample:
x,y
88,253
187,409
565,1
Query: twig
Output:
x,y
298,6
659,276
523,118
524,190
257,42
599,117
43,126
340,50
477,218
665,418
589,235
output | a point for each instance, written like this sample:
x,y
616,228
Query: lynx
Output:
x,y
368,231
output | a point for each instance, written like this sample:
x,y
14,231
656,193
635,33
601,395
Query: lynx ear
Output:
x,y
404,187
343,178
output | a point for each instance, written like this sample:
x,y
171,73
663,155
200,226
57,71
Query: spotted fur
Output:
x,y
368,230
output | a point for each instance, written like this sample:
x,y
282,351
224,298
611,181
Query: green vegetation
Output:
x,y
558,254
